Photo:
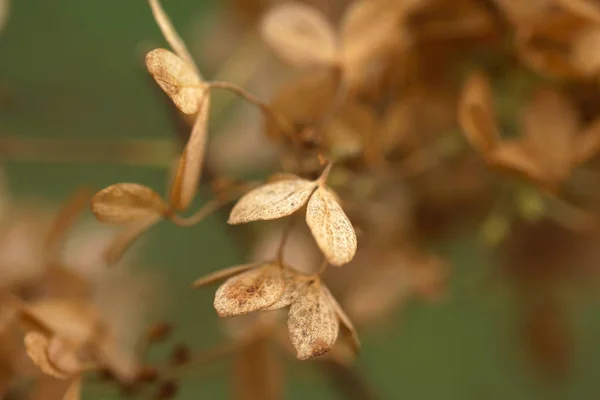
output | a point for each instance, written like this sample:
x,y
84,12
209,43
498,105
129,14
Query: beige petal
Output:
x,y
272,201
587,143
368,29
222,274
476,114
187,179
250,291
294,284
171,35
74,390
585,56
345,321
36,345
69,319
330,227
62,353
177,79
127,202
588,9
550,123
513,156
299,34
313,322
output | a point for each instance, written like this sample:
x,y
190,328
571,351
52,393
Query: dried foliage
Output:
x,y
410,123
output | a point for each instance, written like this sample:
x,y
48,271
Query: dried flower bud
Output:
x,y
180,355
127,202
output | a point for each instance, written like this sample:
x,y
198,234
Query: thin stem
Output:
x,y
323,267
284,237
267,111
322,181
212,206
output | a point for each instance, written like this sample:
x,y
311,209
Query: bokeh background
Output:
x,y
71,71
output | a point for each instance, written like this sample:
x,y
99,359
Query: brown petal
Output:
x,y
300,34
588,9
584,53
187,178
125,238
345,321
62,353
74,390
127,202
294,284
36,345
177,79
222,274
313,322
171,35
330,227
250,291
513,156
587,143
476,114
550,123
272,201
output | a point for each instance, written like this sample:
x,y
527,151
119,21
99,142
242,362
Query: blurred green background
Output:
x,y
72,69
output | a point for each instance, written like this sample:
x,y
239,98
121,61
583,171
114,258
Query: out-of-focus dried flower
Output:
x,y
127,202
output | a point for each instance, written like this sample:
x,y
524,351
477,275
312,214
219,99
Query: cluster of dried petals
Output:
x,y
551,145
326,219
314,316
302,36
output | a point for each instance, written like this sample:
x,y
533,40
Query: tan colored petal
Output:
x,y
330,227
189,170
587,143
588,9
584,52
127,202
513,156
300,34
125,238
250,291
550,123
177,79
313,322
344,320
74,390
69,319
36,345
171,35
476,114
368,28
62,353
272,201
294,284
222,274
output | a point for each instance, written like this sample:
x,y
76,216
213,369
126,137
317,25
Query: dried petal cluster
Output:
x,y
314,315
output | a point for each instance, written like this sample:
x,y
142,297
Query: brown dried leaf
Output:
x,y
177,79
513,156
313,322
476,114
588,9
171,35
584,52
187,178
74,390
345,321
62,353
272,201
587,143
300,34
127,202
250,291
294,284
330,227
222,274
550,123
36,345
368,28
